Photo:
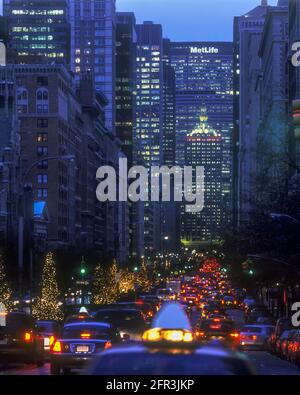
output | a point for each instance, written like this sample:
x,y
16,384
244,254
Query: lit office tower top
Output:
x,y
93,31
38,30
203,148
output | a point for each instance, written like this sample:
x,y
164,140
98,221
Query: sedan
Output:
x,y
79,343
255,336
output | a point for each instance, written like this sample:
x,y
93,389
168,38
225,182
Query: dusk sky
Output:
x,y
188,20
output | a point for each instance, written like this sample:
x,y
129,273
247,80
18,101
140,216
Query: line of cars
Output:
x,y
285,341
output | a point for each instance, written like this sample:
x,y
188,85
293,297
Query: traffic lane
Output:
x,y
24,370
268,364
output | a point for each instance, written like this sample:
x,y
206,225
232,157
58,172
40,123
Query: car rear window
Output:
x,y
121,317
96,332
251,329
17,323
46,326
164,364
211,326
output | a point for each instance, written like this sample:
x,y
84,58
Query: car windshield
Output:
x,y
95,332
121,318
164,364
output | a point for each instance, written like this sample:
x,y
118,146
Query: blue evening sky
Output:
x,y
191,20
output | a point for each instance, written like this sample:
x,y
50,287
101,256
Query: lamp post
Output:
x,y
21,210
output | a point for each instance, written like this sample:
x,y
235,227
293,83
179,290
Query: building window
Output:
x,y
42,137
22,100
42,164
42,100
42,81
42,178
42,193
42,123
42,151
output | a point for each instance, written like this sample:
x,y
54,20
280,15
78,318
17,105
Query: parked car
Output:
x,y
293,352
282,325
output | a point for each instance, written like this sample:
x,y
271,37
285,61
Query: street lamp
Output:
x,y
21,210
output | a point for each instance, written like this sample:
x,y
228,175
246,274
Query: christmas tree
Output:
x,y
46,306
143,280
5,291
126,281
112,283
99,286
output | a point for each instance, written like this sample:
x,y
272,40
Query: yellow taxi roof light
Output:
x,y
168,335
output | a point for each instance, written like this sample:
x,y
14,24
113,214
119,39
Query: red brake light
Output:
x,y
200,333
235,335
28,337
51,340
57,346
254,337
107,345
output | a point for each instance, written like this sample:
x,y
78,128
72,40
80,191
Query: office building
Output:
x,y
93,30
204,78
148,132
38,30
248,30
204,148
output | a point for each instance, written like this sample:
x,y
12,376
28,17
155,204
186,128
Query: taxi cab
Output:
x,y
169,348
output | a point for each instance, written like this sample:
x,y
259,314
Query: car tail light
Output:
x,y
85,335
28,337
200,334
234,335
51,340
107,345
254,337
57,346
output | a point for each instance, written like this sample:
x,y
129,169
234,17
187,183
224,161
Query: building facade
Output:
x,y
148,132
248,30
204,78
204,148
39,31
93,30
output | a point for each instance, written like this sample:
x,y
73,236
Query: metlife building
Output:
x,y
204,79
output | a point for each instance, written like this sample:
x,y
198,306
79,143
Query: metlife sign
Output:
x,y
204,50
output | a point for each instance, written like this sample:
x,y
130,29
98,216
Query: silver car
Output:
x,y
255,336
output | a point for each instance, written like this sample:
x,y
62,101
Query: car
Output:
x,y
169,348
20,341
282,324
293,348
217,328
79,343
129,321
48,330
165,294
255,336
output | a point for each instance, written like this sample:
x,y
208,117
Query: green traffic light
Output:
x,y
82,270
251,272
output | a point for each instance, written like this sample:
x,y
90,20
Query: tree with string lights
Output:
x,y
99,286
143,280
5,290
113,290
47,306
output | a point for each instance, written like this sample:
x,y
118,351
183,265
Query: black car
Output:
x,y
130,322
48,330
216,328
79,343
20,341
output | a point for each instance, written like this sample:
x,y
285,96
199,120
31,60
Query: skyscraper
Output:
x,y
248,30
204,148
204,78
148,133
93,30
38,30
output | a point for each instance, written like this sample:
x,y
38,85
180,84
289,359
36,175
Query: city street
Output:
x,y
265,363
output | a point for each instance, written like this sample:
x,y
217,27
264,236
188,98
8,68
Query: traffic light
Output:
x,y
82,271
251,272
